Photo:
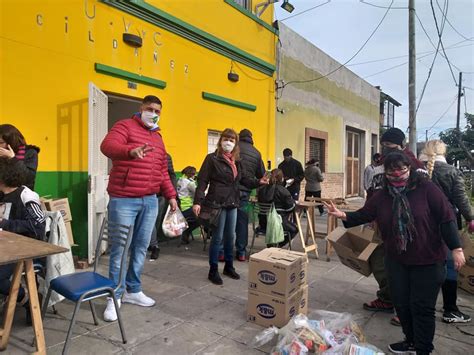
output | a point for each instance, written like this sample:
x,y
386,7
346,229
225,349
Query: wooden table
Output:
x,y
21,250
308,206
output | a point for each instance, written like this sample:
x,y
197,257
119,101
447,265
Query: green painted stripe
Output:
x,y
122,74
157,17
227,101
72,185
251,15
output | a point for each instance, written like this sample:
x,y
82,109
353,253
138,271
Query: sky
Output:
x,y
340,27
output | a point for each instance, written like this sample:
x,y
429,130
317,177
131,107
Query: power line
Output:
x,y
451,25
402,64
444,113
342,65
453,46
382,7
304,11
430,70
440,34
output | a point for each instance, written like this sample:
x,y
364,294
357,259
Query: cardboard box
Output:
x,y
466,278
354,247
268,310
61,205
69,233
468,246
277,272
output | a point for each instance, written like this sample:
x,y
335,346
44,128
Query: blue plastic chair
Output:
x,y
85,286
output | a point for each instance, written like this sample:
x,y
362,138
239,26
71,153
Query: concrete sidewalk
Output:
x,y
193,316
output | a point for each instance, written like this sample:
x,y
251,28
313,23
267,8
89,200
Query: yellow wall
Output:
x,y
291,134
45,74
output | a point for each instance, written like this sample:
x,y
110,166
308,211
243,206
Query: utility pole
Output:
x,y
426,136
411,77
458,117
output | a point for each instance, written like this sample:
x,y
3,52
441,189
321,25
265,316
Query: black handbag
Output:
x,y
209,216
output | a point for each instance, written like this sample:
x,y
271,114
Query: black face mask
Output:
x,y
388,150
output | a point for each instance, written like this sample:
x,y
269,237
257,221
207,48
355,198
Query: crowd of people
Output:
x,y
415,206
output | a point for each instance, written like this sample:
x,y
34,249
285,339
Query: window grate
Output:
x,y
316,151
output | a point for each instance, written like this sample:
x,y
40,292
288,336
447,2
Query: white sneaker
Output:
x,y
110,315
138,298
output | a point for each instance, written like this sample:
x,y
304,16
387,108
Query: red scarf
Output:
x,y
230,160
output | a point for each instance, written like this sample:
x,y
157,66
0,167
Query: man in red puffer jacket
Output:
x,y
139,172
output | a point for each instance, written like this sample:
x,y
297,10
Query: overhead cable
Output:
x,y
305,11
440,35
342,65
451,25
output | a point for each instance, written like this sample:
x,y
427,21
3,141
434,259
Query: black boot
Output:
x,y
214,276
230,271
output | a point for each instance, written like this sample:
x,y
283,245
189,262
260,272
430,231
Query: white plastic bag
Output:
x,y
174,223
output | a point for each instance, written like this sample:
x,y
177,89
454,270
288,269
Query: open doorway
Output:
x,y
105,109
120,107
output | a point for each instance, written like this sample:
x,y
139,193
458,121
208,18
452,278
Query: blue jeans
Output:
x,y
140,212
224,233
242,226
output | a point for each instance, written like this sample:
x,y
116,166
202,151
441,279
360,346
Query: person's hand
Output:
x,y
173,204
333,211
7,152
264,180
458,258
470,227
196,209
140,152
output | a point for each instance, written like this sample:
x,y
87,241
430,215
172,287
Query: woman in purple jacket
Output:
x,y
417,223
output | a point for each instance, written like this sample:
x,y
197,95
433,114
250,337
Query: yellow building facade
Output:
x,y
70,69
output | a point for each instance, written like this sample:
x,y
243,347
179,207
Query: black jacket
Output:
x,y
31,163
277,194
223,190
25,216
451,182
292,169
251,161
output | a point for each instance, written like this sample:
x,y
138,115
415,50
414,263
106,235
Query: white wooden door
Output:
x,y
97,198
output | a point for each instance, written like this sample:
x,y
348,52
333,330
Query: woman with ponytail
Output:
x,y
416,224
451,182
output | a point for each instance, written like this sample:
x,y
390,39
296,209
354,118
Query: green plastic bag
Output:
x,y
274,233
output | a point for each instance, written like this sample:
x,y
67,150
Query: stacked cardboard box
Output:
x,y
466,274
278,287
61,205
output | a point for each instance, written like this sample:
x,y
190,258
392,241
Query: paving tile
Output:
x,y
90,343
228,346
223,319
140,326
185,338
191,305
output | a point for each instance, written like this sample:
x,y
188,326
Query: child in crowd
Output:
x,y
22,214
186,190
277,193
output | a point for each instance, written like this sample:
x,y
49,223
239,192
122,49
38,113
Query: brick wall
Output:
x,y
332,186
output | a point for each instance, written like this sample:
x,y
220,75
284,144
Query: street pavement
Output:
x,y
193,316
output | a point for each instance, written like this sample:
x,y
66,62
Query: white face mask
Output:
x,y
150,119
228,146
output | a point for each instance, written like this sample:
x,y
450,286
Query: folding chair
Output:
x,y
86,286
261,208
